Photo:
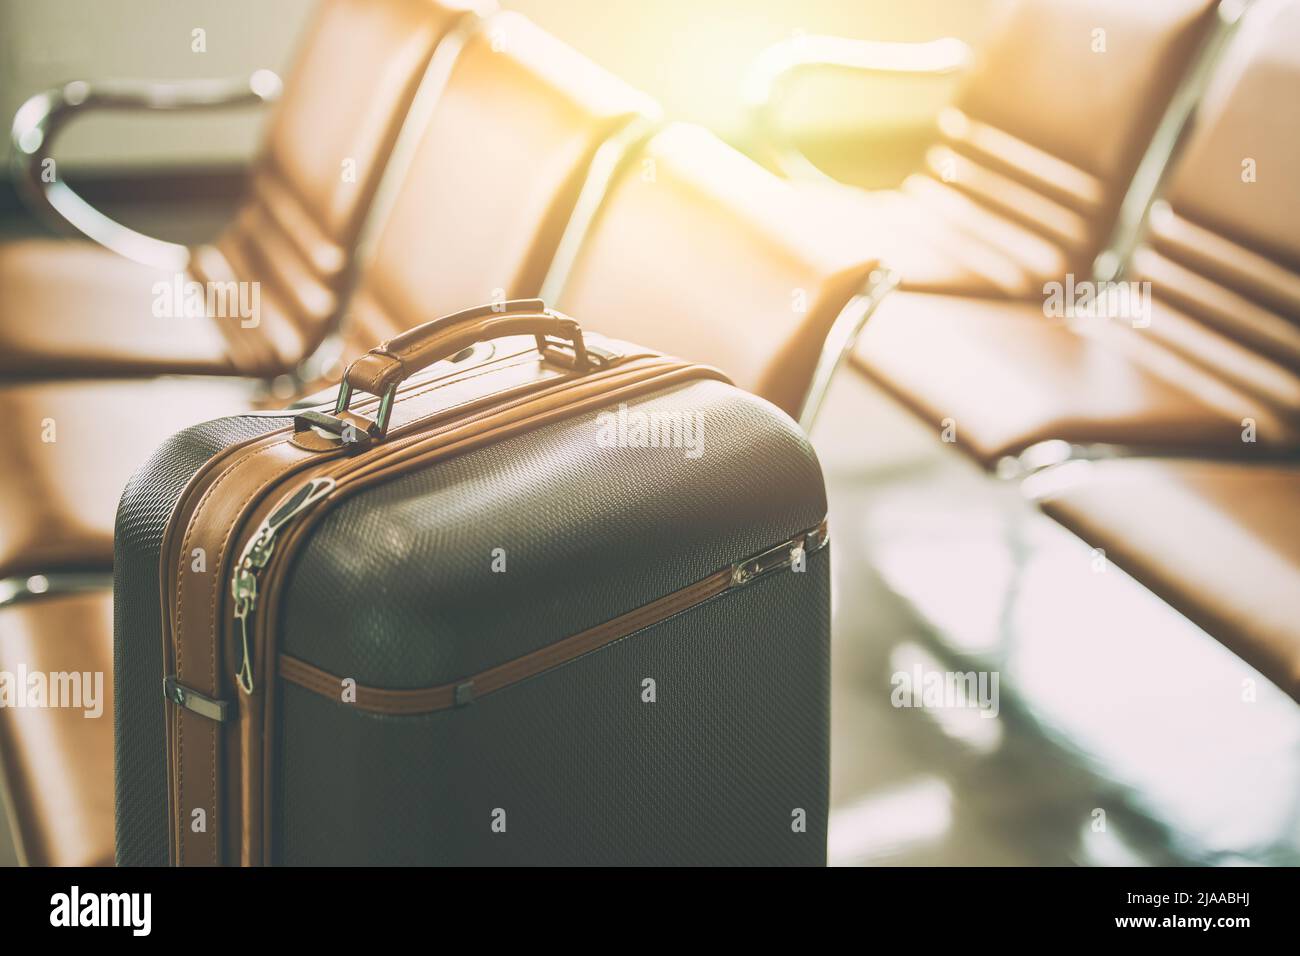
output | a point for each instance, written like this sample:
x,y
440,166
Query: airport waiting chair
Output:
x,y
72,448
1213,352
1220,540
58,763
74,308
485,175
697,250
523,125
1033,162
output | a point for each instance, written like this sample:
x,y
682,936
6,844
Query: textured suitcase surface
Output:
x,y
562,645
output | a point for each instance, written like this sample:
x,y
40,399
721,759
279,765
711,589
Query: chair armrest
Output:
x,y
39,121
840,339
776,65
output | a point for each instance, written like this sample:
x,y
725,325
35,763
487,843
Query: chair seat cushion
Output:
x,y
1219,541
69,307
941,241
58,761
73,445
1008,376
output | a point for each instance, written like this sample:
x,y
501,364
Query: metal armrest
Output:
x,y
39,121
840,339
1037,467
778,63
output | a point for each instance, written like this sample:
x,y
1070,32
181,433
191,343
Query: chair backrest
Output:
x,y
493,180
700,252
1223,248
1055,116
358,66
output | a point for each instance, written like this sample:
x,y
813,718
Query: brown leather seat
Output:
x,y
57,294
71,308
1218,541
698,251
494,179
1007,377
58,761
1032,162
1220,357
72,446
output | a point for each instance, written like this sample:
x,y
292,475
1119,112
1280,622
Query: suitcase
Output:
x,y
516,596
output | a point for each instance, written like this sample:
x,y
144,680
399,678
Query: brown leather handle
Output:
x,y
386,366
421,336
392,362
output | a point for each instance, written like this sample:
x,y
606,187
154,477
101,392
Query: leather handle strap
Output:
x,y
392,362
386,366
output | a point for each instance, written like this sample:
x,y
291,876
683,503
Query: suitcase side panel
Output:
x,y
139,717
490,555
586,770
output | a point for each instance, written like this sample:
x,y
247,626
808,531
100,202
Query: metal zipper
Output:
x,y
790,553
256,554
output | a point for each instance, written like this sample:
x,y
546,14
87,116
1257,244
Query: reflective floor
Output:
x,y
1123,735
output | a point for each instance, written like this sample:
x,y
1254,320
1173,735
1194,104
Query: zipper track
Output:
x,y
426,700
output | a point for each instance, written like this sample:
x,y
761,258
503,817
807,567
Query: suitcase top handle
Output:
x,y
386,366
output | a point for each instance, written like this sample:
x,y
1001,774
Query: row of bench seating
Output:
x,y
1220,345
1220,539
1170,439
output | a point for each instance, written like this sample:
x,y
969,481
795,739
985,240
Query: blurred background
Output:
x,y
1120,737
688,55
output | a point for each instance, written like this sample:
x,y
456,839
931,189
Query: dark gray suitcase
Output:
x,y
544,600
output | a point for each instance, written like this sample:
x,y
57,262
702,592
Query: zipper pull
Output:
x,y
784,555
256,555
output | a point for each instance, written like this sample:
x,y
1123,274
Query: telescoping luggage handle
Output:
x,y
381,370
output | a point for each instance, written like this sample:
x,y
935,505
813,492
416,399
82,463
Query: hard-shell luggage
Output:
x,y
517,596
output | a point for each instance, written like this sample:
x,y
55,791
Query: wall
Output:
x,y
691,54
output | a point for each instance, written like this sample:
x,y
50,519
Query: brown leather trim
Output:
x,y
197,620
531,373
426,700
560,401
